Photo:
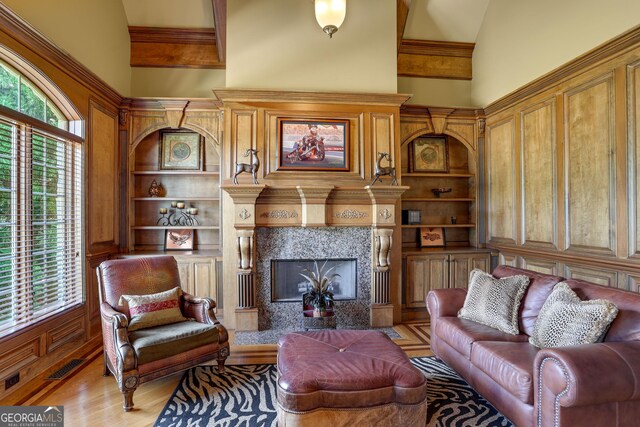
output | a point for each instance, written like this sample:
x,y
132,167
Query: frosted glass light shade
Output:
x,y
330,14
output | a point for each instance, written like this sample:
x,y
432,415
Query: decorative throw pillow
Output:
x,y
566,320
494,302
153,309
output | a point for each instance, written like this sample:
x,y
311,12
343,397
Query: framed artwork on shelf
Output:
x,y
313,145
429,155
181,151
179,239
432,237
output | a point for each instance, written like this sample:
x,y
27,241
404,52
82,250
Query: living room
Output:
x,y
530,109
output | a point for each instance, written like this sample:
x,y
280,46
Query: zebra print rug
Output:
x,y
246,396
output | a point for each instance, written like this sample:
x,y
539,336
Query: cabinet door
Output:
x,y
460,266
424,273
204,278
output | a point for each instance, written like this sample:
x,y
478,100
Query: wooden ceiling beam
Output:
x,y
435,59
220,22
402,7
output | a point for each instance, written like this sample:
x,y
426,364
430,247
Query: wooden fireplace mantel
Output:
x,y
313,206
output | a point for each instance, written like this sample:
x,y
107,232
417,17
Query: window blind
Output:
x,y
40,222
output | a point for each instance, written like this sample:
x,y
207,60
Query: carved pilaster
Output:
x,y
384,200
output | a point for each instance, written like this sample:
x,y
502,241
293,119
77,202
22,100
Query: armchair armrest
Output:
x,y
586,375
445,302
117,345
201,309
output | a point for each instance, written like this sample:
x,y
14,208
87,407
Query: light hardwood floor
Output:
x,y
89,399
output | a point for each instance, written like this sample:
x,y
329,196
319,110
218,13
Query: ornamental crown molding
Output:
x,y
261,95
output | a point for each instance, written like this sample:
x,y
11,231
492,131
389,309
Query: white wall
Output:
x,y
277,44
521,40
175,82
93,32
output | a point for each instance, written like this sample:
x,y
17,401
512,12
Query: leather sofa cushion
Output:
x,y
540,287
162,342
509,364
461,334
345,369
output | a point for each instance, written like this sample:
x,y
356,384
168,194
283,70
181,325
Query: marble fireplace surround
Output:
x,y
289,222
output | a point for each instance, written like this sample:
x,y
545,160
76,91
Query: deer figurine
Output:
x,y
387,170
252,167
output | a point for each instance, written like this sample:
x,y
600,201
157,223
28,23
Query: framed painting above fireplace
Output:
x,y
287,285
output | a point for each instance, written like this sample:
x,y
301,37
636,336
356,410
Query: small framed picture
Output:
x,y
429,155
181,151
432,237
179,240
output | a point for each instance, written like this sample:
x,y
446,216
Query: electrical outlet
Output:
x,y
12,380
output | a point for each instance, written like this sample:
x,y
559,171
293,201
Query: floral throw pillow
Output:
x,y
494,302
566,320
150,310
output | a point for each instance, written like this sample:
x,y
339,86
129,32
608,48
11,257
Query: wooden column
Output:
x,y
244,198
383,221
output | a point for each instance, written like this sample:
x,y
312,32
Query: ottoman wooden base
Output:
x,y
340,377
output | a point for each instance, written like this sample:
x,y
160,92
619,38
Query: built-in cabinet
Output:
x,y
456,210
440,270
155,192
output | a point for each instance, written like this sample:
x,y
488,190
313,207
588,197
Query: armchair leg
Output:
x,y
222,357
105,369
128,400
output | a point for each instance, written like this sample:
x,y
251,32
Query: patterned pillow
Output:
x,y
566,320
153,309
494,302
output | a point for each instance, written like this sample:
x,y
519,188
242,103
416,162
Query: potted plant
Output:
x,y
318,295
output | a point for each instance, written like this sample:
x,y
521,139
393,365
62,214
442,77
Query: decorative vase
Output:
x,y
154,189
319,312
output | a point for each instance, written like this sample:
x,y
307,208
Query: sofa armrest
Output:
x,y
445,302
585,375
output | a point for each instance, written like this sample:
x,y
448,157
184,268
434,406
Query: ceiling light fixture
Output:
x,y
330,14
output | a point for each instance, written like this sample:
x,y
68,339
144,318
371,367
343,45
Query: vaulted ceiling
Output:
x,y
435,37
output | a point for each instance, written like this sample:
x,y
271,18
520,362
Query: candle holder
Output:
x,y
178,215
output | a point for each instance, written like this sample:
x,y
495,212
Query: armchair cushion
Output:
x,y
157,309
165,341
494,302
566,320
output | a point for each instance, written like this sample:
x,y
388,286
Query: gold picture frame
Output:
x,y
181,151
432,237
429,154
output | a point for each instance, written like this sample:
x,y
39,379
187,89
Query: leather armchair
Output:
x,y
136,357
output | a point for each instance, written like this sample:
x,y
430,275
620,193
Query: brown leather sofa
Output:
x,y
586,385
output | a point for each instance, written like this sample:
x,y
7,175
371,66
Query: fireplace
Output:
x,y
291,249
288,284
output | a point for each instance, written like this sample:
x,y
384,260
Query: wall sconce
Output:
x,y
330,14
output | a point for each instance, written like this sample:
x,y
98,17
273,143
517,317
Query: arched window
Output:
x,y
40,197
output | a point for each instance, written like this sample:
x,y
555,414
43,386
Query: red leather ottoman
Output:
x,y
343,377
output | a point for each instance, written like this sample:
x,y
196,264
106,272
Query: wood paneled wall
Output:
x,y
562,169
35,349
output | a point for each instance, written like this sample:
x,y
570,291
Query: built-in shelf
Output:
x,y
442,199
437,175
439,225
179,227
157,172
171,199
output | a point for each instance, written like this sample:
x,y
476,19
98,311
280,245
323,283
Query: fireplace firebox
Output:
x,y
288,285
